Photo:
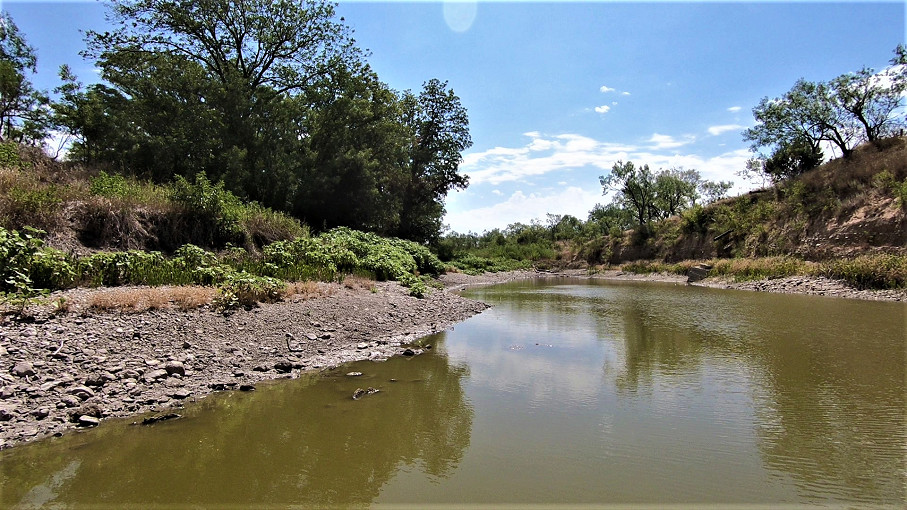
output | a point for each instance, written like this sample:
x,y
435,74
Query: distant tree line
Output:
x,y
270,97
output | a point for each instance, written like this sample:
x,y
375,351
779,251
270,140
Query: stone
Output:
x,y
70,401
181,394
155,375
7,392
354,374
82,392
5,414
283,366
362,345
175,367
89,421
23,369
41,413
151,420
49,385
409,352
94,380
246,387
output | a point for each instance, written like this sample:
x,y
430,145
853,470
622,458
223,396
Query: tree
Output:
x,y
798,115
440,128
357,150
215,86
844,112
24,111
635,187
675,190
712,191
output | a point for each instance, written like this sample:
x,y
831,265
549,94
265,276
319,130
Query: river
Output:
x,y
568,391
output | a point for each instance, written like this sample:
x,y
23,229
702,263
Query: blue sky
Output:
x,y
558,92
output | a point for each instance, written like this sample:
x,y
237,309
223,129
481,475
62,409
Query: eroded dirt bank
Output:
x,y
80,368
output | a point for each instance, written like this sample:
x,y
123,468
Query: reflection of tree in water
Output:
x,y
304,444
828,375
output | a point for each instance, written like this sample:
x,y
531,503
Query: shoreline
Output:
x,y
64,372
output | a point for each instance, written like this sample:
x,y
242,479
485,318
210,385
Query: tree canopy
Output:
x,y
274,99
853,108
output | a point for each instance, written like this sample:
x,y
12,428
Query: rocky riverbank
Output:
x,y
77,369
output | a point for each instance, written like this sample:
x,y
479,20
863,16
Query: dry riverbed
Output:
x,y
79,368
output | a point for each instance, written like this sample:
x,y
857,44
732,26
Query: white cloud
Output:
x,y
605,89
668,141
540,156
520,207
603,108
587,158
735,109
717,130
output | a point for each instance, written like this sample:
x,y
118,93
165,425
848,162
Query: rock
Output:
x,y
186,345
88,421
70,401
246,387
94,380
151,420
155,375
354,374
41,413
362,345
283,366
181,394
49,385
311,336
82,392
5,414
7,392
409,352
175,367
23,369
359,393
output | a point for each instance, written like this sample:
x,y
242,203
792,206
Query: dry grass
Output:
x,y
140,299
358,283
301,291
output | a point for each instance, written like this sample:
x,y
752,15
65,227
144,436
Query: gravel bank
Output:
x,y
78,369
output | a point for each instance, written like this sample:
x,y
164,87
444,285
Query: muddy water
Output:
x,y
567,391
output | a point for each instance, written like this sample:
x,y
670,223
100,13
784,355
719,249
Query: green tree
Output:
x,y
440,130
357,153
675,190
636,191
25,114
215,86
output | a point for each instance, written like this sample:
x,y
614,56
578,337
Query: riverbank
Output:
x,y
76,369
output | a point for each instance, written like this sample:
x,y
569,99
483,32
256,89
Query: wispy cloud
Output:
x,y
735,109
585,158
605,89
717,130
524,207
661,142
603,109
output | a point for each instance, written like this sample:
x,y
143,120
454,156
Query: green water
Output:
x,y
566,392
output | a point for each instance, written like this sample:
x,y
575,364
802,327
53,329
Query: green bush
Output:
x,y
244,289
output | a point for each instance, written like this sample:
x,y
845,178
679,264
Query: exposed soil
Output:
x,y
62,372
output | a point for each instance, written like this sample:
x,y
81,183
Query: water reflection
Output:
x,y
814,386
296,443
